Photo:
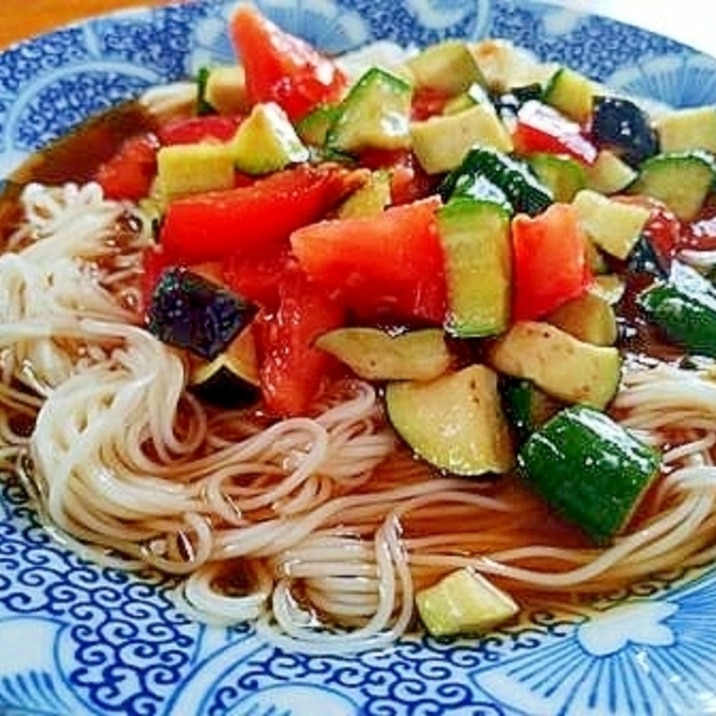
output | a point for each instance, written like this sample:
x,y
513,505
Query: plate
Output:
x,y
76,639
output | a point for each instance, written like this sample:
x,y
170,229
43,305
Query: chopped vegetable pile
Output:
x,y
481,250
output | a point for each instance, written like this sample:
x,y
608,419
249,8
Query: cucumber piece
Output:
x,y
682,180
590,318
683,130
463,602
610,287
194,168
313,127
513,176
560,364
571,93
526,406
609,174
614,226
475,237
447,68
684,307
563,175
589,469
376,355
475,94
224,89
374,115
454,422
266,141
441,142
369,200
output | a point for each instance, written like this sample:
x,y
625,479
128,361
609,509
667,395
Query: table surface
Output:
x,y
690,21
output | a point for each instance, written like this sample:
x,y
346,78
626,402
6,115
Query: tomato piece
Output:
x,y
427,103
549,261
129,173
256,278
388,266
281,67
252,220
292,370
190,130
700,234
541,128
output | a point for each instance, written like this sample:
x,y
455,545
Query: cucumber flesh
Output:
x,y
455,422
684,307
589,469
475,236
682,180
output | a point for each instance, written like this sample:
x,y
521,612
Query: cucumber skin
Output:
x,y
684,307
589,469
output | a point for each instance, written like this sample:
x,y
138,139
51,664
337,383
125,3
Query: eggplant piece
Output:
x,y
620,125
231,380
189,311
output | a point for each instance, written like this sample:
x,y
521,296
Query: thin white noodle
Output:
x,y
123,458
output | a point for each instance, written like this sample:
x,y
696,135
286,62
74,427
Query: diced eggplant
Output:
x,y
231,380
623,127
189,311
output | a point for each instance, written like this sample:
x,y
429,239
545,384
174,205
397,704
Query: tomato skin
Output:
x,y
386,267
550,267
257,278
190,130
253,220
541,128
281,67
292,369
129,173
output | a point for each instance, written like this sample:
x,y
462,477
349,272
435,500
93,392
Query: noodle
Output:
x,y
320,528
320,516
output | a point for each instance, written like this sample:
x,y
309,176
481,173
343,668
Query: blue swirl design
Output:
x,y
106,642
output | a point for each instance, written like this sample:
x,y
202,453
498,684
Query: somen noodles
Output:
x,y
323,524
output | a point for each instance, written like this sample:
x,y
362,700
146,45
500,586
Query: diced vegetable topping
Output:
x,y
283,68
590,469
464,602
188,311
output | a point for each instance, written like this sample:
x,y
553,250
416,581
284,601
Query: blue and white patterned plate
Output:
x,y
76,639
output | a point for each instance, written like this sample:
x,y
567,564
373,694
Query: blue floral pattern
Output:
x,y
107,642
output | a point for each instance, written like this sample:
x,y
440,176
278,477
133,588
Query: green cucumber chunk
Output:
x,y
526,406
523,189
684,307
565,367
447,68
682,180
563,175
455,422
475,237
374,354
571,93
374,115
589,469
